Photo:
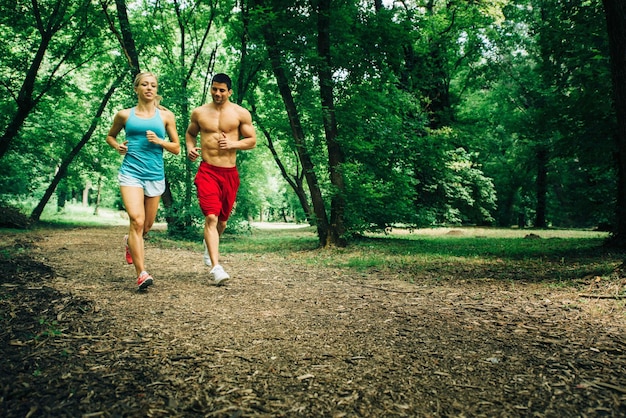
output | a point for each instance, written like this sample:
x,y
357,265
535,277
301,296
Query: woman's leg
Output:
x,y
151,206
133,199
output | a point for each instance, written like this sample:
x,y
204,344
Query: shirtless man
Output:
x,y
224,128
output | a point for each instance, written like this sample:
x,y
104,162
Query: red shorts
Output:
x,y
217,189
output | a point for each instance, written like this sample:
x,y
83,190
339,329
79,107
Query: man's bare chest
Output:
x,y
218,122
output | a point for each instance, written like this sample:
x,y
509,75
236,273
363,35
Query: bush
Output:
x,y
12,217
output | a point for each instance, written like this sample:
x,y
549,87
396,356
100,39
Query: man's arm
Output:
x,y
246,132
190,137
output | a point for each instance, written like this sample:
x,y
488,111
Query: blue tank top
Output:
x,y
144,160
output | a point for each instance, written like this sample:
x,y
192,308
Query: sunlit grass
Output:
x,y
559,257
280,241
78,215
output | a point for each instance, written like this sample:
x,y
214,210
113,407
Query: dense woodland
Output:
x,y
369,113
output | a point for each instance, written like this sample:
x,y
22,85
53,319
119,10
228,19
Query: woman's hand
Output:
x,y
122,148
152,137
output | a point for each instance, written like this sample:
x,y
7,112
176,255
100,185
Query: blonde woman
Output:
x,y
142,175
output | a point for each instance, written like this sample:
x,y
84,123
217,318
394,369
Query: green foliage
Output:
x,y
441,107
48,329
536,93
186,222
471,195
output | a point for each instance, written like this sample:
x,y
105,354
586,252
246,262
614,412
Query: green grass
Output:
x,y
77,215
559,257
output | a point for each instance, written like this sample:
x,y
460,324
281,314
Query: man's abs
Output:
x,y
219,158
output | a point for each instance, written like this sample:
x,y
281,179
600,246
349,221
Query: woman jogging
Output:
x,y
142,175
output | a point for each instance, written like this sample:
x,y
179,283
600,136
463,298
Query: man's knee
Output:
x,y
211,220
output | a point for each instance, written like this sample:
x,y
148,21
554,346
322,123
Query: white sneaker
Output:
x,y
207,258
218,275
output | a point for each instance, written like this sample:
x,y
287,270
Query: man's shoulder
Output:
x,y
205,108
241,111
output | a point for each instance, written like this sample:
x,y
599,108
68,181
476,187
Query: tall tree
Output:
x,y
325,69
278,68
442,38
60,30
62,169
615,12
127,44
539,111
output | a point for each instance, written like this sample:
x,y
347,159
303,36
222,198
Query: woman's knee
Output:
x,y
138,223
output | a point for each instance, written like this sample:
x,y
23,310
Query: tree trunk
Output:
x,y
62,171
86,189
25,101
295,182
128,42
337,230
321,219
542,187
615,11
97,206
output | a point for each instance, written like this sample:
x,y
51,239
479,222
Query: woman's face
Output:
x,y
147,88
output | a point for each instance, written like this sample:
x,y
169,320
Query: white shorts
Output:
x,y
151,188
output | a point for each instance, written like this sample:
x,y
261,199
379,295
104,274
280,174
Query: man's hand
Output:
x,y
193,153
223,142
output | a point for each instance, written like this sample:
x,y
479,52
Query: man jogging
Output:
x,y
224,128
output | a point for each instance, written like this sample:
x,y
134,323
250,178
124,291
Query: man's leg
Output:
x,y
221,226
213,229
212,237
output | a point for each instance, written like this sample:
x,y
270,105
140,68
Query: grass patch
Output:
x,y
558,257
76,215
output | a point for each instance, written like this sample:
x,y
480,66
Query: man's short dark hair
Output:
x,y
222,78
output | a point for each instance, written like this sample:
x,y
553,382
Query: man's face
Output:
x,y
220,93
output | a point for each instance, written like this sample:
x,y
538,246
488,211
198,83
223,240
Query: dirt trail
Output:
x,y
284,339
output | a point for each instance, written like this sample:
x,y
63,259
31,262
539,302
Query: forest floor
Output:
x,y
287,339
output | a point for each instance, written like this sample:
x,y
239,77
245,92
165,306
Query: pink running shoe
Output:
x,y
144,280
129,258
